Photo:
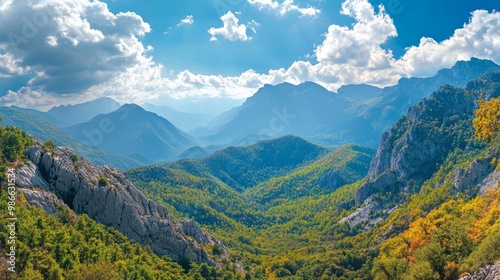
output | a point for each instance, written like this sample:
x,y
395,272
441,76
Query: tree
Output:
x,y
487,121
49,146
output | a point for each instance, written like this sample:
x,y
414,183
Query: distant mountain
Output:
x,y
80,113
243,167
199,104
409,91
356,114
304,110
194,152
184,121
46,131
42,115
133,130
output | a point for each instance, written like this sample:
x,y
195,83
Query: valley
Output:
x,y
296,183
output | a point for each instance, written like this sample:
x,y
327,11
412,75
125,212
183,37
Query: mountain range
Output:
x,y
356,114
84,112
182,120
131,129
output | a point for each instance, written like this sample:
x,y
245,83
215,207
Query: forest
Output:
x,y
294,219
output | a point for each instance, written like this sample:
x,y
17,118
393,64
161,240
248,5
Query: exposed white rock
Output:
x,y
489,272
61,177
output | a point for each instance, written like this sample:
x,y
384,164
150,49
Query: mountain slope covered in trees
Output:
x,y
427,162
425,205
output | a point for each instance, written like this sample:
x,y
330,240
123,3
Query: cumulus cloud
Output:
x,y
186,21
359,45
29,98
285,7
81,47
9,66
480,38
69,46
230,30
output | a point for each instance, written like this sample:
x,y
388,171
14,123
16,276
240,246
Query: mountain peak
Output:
x,y
288,89
474,61
79,113
132,106
474,65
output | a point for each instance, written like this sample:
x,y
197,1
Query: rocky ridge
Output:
x,y
413,149
105,195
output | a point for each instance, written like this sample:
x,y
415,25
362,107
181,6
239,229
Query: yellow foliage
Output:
x,y
490,204
487,121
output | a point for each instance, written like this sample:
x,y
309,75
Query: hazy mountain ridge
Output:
x,y
45,131
184,121
357,114
84,112
131,129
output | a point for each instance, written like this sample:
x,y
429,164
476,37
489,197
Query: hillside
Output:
x,y
44,131
345,165
289,227
53,242
244,167
133,130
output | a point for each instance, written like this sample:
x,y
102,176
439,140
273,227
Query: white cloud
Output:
x,y
9,66
52,41
231,30
71,45
186,21
285,7
109,58
28,98
359,45
480,38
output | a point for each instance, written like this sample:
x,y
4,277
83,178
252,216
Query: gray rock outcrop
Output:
x,y
418,143
105,195
489,272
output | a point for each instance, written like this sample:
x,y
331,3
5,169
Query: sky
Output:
x,y
68,51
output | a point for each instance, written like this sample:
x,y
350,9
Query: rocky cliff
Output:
x,y
414,148
104,194
489,272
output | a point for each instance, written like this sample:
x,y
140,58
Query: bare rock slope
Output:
x,y
50,178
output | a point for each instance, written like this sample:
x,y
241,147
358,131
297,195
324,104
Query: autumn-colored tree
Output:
x,y
487,121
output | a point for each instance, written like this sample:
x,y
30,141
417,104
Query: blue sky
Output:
x,y
282,39
69,51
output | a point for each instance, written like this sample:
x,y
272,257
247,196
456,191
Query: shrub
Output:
x,y
102,181
48,146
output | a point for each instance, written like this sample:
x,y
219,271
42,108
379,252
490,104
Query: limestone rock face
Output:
x,y
62,176
477,174
489,272
417,145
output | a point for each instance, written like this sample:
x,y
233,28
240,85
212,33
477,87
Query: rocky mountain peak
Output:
x,y
418,143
